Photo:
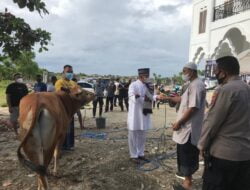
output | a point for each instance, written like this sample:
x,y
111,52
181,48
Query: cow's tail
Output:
x,y
39,169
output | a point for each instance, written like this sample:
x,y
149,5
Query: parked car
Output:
x,y
210,84
86,86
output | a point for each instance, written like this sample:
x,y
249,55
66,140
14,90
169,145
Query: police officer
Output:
x,y
225,134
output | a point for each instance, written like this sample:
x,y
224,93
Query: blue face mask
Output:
x,y
69,76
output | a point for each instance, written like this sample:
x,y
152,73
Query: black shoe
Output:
x,y
143,159
135,160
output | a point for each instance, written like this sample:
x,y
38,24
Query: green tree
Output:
x,y
177,79
201,72
168,80
7,69
158,78
26,65
16,35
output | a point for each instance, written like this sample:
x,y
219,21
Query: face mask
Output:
x,y
19,80
220,80
69,75
145,79
185,77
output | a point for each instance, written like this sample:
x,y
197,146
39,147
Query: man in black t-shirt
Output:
x,y
110,96
14,93
123,94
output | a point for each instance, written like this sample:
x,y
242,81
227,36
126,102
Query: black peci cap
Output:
x,y
143,71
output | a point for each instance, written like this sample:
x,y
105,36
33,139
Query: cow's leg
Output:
x,y
39,184
56,155
43,183
33,145
34,152
41,144
48,135
57,152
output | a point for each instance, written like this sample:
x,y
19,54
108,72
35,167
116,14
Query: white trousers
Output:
x,y
136,142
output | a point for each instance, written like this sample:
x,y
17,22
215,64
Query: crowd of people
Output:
x,y
113,92
221,135
116,95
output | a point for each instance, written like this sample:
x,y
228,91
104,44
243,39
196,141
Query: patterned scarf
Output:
x,y
147,105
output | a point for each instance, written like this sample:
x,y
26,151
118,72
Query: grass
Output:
x,y
3,85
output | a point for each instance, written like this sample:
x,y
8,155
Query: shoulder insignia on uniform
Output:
x,y
214,98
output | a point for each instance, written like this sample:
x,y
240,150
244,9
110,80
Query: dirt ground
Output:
x,y
101,163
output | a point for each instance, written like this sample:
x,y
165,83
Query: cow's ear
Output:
x,y
76,91
78,94
79,91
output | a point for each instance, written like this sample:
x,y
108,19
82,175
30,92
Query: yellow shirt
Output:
x,y
65,84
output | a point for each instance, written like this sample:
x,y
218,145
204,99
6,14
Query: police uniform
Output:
x,y
226,132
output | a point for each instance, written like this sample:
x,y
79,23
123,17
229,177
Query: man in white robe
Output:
x,y
138,122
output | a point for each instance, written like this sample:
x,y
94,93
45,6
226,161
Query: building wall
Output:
x,y
198,44
230,35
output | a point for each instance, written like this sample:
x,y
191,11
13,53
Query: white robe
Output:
x,y
136,119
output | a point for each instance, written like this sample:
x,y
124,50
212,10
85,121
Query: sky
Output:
x,y
113,36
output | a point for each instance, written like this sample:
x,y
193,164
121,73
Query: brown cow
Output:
x,y
44,118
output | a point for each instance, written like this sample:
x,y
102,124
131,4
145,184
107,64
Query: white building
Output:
x,y
220,28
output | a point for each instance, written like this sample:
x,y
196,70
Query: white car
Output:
x,y
210,84
86,86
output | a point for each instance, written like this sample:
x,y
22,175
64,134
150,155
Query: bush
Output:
x,y
3,85
4,105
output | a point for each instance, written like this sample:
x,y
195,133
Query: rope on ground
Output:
x,y
116,130
159,157
99,136
91,134
156,162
